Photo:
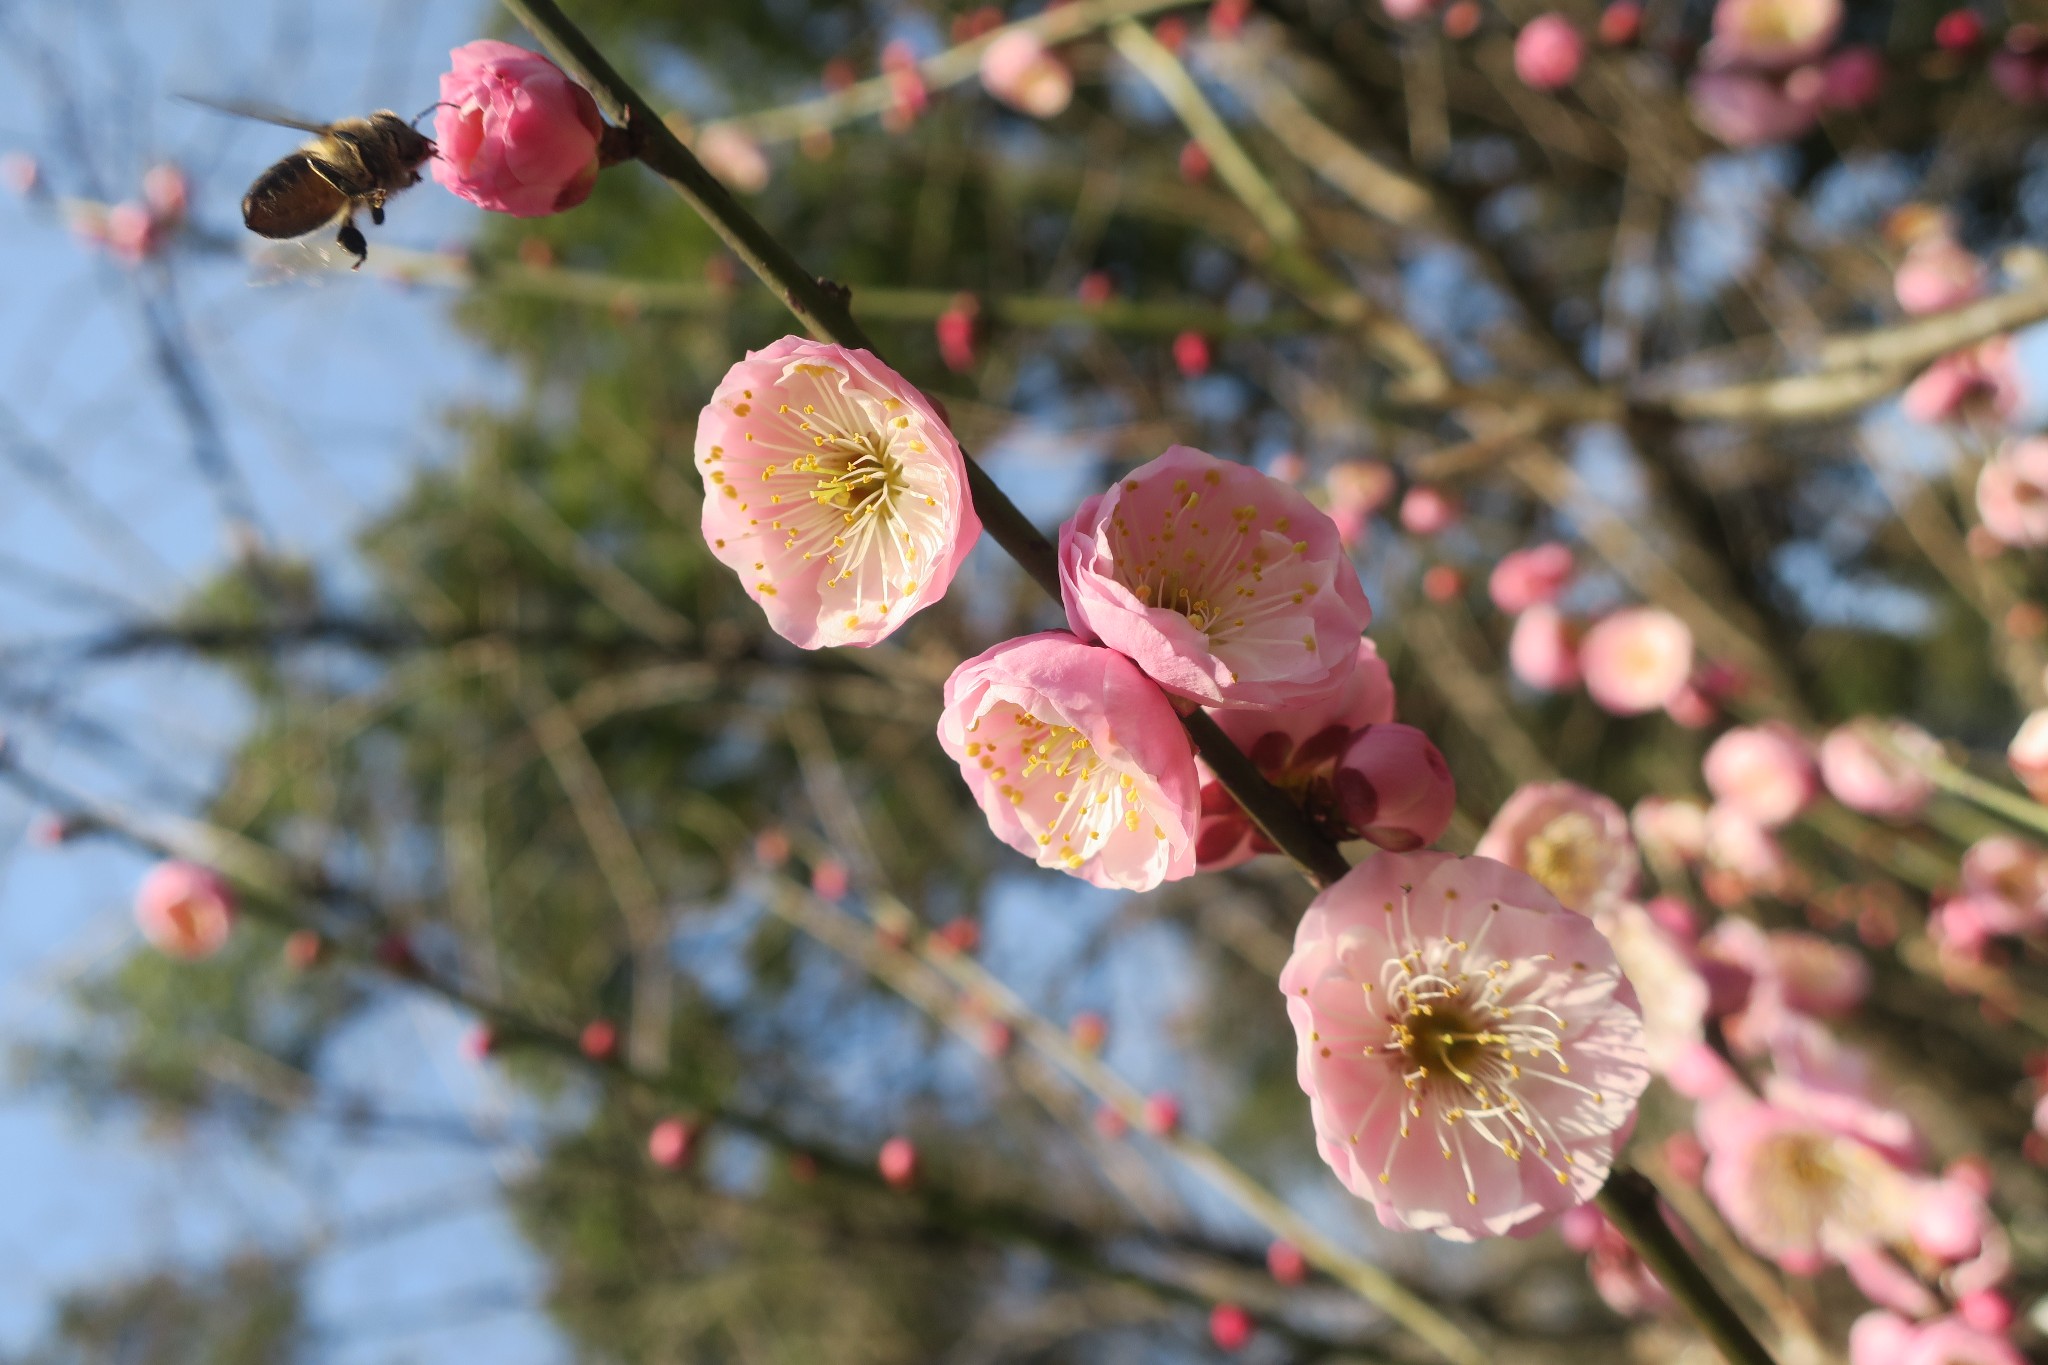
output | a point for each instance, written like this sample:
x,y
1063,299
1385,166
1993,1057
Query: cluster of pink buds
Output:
x,y
135,230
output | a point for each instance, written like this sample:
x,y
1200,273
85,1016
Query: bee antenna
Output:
x,y
437,104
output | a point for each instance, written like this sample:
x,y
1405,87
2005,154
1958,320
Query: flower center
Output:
x,y
1560,856
1067,797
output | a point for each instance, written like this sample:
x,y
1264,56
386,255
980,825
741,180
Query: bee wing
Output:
x,y
259,111
305,260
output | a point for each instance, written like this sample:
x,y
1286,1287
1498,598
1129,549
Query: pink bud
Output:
x,y
1852,78
1636,660
996,1039
1938,273
1548,51
1868,766
1191,354
1402,11
1096,288
185,910
1194,162
1527,577
1442,583
165,191
960,935
734,157
1230,1327
956,328
1162,1114
1987,1310
1692,708
2028,755
1019,70
303,950
1226,18
1172,32
1673,915
515,134
1461,20
830,880
479,1043
771,847
670,1142
1958,31
1287,1264
1426,511
599,1040
1880,1338
1948,1221
897,1162
1765,771
1089,1031
1685,1156
132,234
1542,651
1621,23
1111,1123
1394,788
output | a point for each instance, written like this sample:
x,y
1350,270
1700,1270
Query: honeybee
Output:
x,y
350,166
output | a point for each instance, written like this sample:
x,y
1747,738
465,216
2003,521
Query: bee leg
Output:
x,y
377,208
351,240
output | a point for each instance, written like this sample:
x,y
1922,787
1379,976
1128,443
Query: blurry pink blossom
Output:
x,y
1401,11
1021,71
1572,840
1427,511
1852,78
1938,273
132,234
1076,758
1765,771
834,489
1987,374
1357,489
166,192
830,879
1548,52
1452,949
897,1161
1619,1276
1868,766
185,910
1194,163
1443,583
1636,660
2027,755
1225,586
599,1040
731,154
1287,466
2012,493
1772,33
1285,1263
1230,1327
670,1142
1879,1338
2011,872
1673,993
1670,830
1949,1220
20,173
1958,31
1745,109
1692,707
1952,1341
1161,1114
956,330
1542,650
516,135
1526,578
479,1043
1191,354
1621,23
1744,851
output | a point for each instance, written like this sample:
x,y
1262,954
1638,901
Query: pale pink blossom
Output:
x,y
1885,1282
898,1162
1573,841
1952,1341
1401,11
1868,766
1393,788
1949,1220
1636,660
1298,749
1670,830
1543,650
1224,585
1619,1276
132,233
1356,489
1880,1337
1022,72
1674,995
515,134
166,192
1529,577
731,154
1986,375
1772,33
1744,851
2012,493
185,910
1692,707
670,1142
2013,873
1077,760
2028,754
1792,974
834,489
1746,109
1407,974
1937,274
1427,511
1797,1188
1765,771
1548,52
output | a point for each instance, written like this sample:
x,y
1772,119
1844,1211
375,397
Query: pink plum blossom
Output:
x,y
2012,493
1765,771
1745,853
1952,1341
1636,660
1619,1276
1406,976
1529,577
1986,374
1230,1327
1077,760
670,1141
1224,585
1949,1220
1747,109
2009,876
1573,841
898,1162
2027,755
731,154
516,135
834,489
185,910
1022,72
1673,993
1670,830
166,192
1852,78
1880,1337
1938,273
1548,52
1773,34
1427,511
1542,650
1867,766
1356,489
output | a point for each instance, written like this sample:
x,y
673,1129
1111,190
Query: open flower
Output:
x,y
1636,660
1574,841
1076,759
185,910
1471,1052
1765,771
2012,493
1525,578
516,135
1868,766
1226,586
1772,33
835,491
1022,72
